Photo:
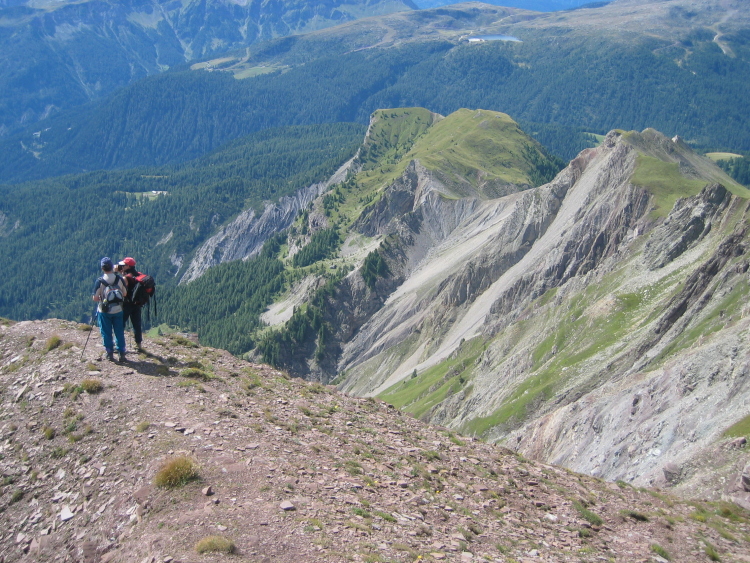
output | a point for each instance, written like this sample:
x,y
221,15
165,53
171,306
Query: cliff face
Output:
x,y
589,322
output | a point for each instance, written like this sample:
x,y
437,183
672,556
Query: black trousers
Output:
x,y
133,312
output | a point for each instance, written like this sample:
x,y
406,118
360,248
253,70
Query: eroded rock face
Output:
x,y
640,395
244,237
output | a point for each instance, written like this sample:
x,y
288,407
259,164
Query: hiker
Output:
x,y
110,291
130,309
141,288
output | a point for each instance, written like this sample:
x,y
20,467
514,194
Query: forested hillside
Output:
x,y
58,229
559,82
63,53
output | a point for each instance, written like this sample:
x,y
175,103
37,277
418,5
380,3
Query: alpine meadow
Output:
x,y
434,281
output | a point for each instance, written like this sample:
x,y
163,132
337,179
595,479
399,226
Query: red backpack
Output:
x,y
144,288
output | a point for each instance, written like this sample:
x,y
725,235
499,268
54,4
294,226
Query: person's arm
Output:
x,y
124,287
97,294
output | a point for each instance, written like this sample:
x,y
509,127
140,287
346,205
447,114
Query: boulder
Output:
x,y
745,478
672,472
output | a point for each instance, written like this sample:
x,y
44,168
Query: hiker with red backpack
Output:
x,y
110,291
140,290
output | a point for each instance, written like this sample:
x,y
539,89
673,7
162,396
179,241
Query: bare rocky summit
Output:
x,y
289,471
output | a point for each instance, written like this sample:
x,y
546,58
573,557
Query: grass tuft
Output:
x,y
640,517
660,551
587,515
215,544
195,373
91,386
176,472
52,343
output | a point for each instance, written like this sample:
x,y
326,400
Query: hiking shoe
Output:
x,y
110,356
121,357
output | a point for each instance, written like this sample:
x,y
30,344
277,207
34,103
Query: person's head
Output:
x,y
107,264
129,262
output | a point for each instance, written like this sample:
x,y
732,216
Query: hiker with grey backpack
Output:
x,y
110,291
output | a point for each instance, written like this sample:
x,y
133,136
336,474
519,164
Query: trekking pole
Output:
x,y
90,331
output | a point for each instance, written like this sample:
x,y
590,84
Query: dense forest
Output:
x,y
60,227
602,85
737,168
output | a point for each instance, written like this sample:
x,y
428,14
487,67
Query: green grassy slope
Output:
x,y
470,149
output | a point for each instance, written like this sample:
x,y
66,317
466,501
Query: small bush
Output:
x,y
91,386
660,551
91,366
215,544
52,343
49,432
16,496
142,426
176,472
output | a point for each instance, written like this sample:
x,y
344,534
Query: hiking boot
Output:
x,y
111,356
121,357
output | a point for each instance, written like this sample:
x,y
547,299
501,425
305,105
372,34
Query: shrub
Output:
x,y
176,472
215,544
142,426
49,432
52,343
91,386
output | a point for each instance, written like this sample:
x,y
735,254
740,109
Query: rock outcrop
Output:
x,y
245,235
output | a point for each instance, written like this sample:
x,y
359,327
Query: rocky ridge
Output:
x,y
289,471
550,313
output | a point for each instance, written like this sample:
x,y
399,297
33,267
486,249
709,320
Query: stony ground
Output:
x,y
289,472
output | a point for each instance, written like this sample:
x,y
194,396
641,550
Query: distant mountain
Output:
x,y
628,65
62,53
535,5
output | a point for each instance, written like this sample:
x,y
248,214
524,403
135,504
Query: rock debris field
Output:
x,y
288,471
